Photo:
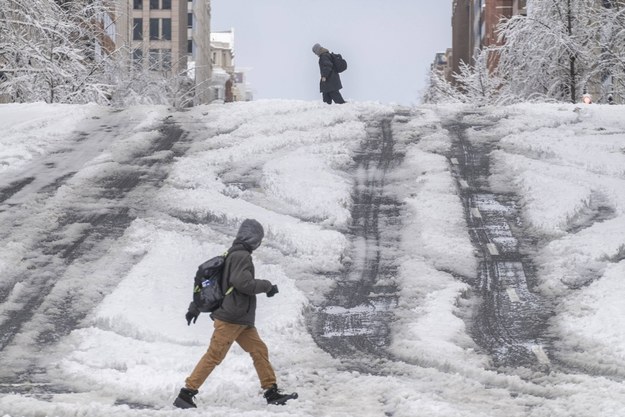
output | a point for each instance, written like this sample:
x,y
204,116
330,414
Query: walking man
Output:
x,y
330,83
234,320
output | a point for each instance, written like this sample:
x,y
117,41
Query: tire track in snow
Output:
x,y
511,324
43,302
14,187
353,323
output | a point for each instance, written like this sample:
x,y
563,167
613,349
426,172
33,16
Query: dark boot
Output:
x,y
185,398
275,396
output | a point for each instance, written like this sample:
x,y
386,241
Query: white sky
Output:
x,y
389,44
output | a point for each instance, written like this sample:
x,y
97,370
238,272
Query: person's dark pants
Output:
x,y
333,96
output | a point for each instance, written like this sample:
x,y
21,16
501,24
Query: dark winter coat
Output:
x,y
333,79
239,307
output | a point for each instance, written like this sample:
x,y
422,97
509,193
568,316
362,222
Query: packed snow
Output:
x,y
289,164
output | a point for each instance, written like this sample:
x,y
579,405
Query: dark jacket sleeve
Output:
x,y
242,276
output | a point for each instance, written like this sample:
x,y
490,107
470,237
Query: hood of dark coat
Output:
x,y
250,234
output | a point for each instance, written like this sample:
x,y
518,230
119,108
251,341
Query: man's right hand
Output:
x,y
273,291
323,79
192,314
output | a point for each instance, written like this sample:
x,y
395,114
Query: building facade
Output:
x,y
461,35
157,34
199,49
474,26
222,54
211,55
106,22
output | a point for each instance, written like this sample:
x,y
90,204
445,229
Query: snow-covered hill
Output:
x,y
105,215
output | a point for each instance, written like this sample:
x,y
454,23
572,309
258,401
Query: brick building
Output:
x,y
474,25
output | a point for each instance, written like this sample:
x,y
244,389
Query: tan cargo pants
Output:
x,y
224,334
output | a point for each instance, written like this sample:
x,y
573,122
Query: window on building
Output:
x,y
154,55
109,25
137,29
166,29
160,59
154,4
137,4
166,55
166,4
137,57
189,20
154,32
190,46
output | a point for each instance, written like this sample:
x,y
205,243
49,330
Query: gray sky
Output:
x,y
389,44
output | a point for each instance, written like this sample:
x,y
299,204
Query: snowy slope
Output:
x,y
290,165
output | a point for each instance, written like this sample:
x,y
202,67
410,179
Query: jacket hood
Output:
x,y
250,234
318,49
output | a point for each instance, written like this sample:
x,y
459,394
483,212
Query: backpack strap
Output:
x,y
230,288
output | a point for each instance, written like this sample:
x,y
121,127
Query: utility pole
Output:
x,y
203,59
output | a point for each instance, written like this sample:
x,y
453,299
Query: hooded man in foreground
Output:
x,y
234,320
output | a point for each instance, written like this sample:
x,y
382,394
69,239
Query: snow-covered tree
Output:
x,y
475,84
439,90
134,83
46,49
553,51
50,51
480,83
612,43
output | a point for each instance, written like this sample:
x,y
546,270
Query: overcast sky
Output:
x,y
389,44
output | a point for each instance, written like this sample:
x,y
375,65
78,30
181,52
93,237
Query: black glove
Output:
x,y
192,314
273,291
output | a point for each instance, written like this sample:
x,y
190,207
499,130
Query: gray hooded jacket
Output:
x,y
239,307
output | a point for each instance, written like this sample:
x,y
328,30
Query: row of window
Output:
x,y
154,4
160,29
189,17
158,58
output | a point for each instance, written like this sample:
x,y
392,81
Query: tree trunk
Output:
x,y
572,86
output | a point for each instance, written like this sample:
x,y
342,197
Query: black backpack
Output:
x,y
338,62
207,289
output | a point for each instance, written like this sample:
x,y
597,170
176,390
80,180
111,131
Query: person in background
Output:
x,y
587,98
234,320
330,82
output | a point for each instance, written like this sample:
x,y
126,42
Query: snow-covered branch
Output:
x,y
560,50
